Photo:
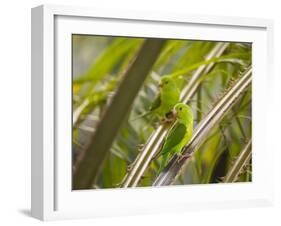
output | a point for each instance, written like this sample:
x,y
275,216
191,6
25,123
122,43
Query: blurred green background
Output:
x,y
98,64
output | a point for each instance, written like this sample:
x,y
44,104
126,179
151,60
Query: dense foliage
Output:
x,y
98,66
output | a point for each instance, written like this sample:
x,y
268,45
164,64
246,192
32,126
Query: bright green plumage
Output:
x,y
168,96
179,135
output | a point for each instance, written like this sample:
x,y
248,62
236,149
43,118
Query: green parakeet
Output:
x,y
179,135
168,96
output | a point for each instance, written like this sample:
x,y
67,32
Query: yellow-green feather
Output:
x,y
179,135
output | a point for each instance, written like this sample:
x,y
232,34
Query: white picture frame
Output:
x,y
52,197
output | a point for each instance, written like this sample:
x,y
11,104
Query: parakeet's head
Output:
x,y
183,112
166,82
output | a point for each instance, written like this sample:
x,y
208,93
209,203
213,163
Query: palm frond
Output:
x,y
153,144
88,166
221,107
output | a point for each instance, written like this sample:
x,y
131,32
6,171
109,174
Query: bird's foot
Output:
x,y
169,118
166,120
183,156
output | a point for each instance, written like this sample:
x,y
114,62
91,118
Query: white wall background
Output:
x,y
15,111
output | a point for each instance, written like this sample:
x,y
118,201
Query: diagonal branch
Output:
x,y
153,144
112,119
172,170
239,165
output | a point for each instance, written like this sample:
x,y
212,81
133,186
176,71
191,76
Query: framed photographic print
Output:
x,y
137,112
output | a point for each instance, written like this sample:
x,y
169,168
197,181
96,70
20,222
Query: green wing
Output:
x,y
174,137
156,103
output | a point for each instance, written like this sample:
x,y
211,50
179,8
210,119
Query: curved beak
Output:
x,y
160,84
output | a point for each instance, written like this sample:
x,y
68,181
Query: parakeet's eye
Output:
x,y
180,109
166,82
